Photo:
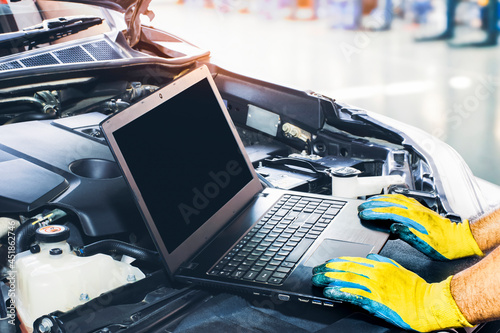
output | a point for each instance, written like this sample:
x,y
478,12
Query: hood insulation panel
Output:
x,y
100,50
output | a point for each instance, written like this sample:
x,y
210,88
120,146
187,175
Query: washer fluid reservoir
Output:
x,y
347,184
52,277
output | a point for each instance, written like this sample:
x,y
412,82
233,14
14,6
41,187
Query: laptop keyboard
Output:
x,y
271,249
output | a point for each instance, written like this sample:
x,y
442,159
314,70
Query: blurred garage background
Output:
x,y
431,63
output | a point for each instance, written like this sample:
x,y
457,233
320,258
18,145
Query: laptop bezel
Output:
x,y
187,249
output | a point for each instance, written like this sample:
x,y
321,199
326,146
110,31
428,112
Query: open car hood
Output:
x,y
118,5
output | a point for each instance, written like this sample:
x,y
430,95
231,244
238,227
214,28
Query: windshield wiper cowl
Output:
x,y
48,31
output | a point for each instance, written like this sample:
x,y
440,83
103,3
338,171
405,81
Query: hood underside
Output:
x,y
118,5
132,9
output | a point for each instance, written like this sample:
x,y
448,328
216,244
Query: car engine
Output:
x,y
69,223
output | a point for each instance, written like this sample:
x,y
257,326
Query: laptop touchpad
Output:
x,y
332,248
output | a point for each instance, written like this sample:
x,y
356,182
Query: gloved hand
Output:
x,y
387,290
424,229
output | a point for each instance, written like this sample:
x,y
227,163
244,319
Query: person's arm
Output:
x,y
486,231
476,290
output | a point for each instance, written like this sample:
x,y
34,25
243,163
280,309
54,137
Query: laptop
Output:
x,y
210,218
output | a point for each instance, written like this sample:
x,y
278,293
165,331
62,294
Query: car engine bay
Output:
x,y
65,205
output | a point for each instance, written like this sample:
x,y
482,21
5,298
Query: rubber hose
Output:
x,y
118,247
30,116
33,102
26,231
24,235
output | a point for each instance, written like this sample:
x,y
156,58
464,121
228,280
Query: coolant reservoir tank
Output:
x,y
53,278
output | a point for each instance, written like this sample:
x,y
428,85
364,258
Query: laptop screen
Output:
x,y
184,160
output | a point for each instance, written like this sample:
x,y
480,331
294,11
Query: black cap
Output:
x,y
55,252
35,248
52,234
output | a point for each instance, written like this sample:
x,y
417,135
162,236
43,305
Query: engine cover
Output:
x,y
65,163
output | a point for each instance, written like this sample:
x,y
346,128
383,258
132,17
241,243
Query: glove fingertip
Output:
x,y
374,204
336,294
317,270
374,256
368,214
320,280
380,197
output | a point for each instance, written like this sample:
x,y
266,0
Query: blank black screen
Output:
x,y
185,161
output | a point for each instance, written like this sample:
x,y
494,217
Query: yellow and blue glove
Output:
x,y
387,290
427,231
